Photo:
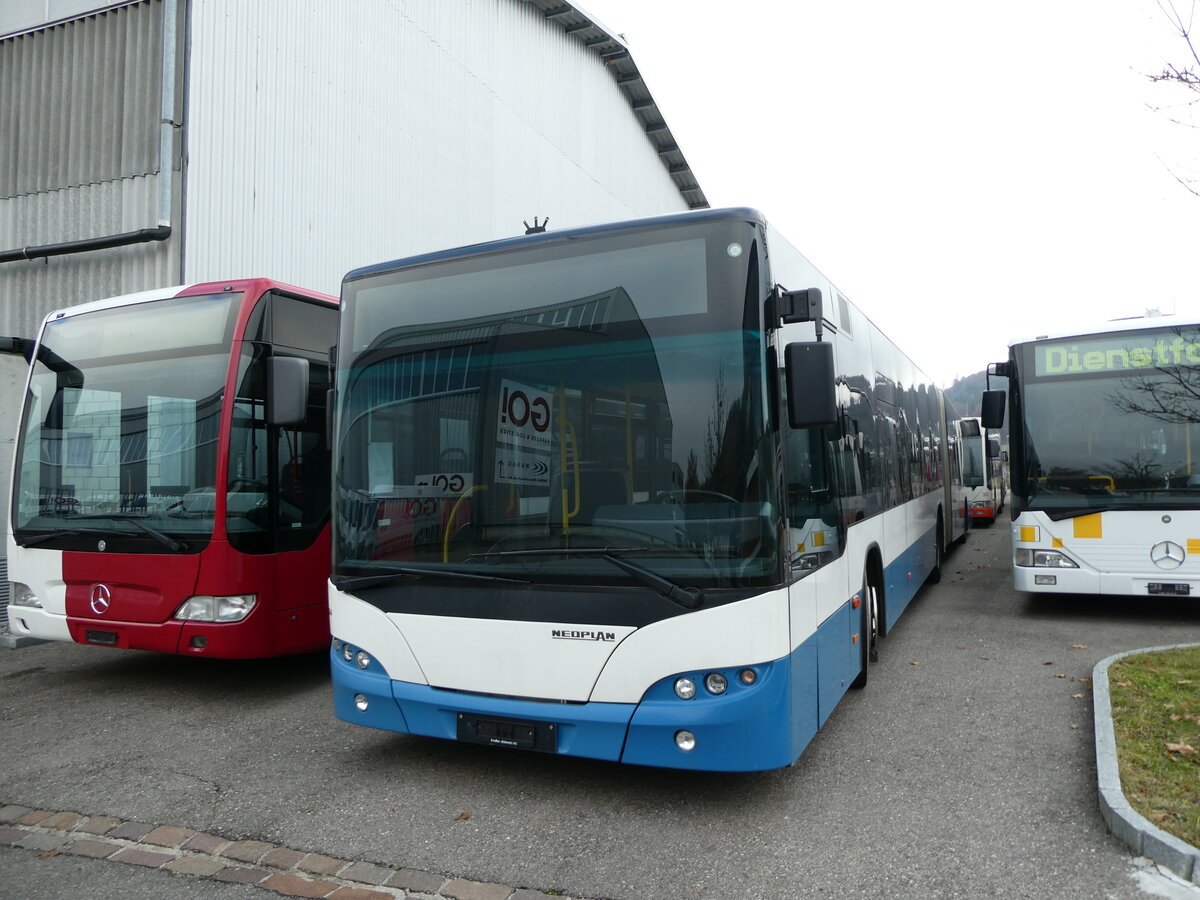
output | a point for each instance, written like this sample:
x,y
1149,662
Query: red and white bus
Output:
x,y
171,478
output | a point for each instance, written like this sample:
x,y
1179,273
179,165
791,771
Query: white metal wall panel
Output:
x,y
322,137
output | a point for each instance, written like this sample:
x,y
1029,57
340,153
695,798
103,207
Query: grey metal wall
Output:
x,y
79,158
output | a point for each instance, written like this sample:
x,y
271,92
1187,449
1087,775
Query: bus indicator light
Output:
x,y
747,677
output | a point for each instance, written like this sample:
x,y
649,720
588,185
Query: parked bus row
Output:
x,y
651,491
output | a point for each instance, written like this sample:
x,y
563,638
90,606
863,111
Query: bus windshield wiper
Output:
x,y
135,520
358,582
47,536
687,597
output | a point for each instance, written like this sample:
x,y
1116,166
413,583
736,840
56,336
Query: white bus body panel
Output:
x,y
1114,550
736,634
364,625
41,571
525,659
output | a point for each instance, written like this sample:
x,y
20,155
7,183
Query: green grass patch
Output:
x,y
1156,719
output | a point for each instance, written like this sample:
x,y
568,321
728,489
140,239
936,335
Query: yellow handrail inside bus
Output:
x,y
454,512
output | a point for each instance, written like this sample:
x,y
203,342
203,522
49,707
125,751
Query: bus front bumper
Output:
x,y
743,731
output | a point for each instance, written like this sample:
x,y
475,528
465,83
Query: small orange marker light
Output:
x,y
856,602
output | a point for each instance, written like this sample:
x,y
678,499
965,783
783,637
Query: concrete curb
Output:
x,y
15,641
193,854
1146,838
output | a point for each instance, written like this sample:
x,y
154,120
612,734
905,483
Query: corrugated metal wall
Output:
x,y
79,133
324,137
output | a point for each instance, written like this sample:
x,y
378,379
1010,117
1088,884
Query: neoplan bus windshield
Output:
x,y
521,414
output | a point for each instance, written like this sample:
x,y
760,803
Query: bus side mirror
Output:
x,y
811,392
287,386
991,411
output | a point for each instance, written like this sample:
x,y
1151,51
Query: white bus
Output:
x,y
982,470
615,493
1104,453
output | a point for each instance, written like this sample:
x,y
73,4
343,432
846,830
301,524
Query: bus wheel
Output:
x,y
868,632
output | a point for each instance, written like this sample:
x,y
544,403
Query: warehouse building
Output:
x,y
158,142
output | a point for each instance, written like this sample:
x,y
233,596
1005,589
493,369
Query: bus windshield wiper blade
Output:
x,y
687,597
358,582
135,520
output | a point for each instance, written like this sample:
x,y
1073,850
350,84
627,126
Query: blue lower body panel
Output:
x,y
749,727
905,575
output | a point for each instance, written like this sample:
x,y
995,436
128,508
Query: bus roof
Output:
x,y
1131,324
183,290
549,237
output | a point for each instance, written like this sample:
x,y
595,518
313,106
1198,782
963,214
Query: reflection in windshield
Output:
x,y
1125,438
526,443
126,442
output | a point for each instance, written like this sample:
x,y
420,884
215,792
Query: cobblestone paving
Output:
x,y
193,854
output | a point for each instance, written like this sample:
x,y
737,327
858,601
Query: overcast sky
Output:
x,y
966,173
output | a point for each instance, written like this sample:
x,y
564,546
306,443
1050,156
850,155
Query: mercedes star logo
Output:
x,y
1167,555
101,599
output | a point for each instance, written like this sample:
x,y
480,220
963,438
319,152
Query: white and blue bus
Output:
x,y
1104,453
649,492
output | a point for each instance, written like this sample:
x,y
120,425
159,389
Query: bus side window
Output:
x,y
304,329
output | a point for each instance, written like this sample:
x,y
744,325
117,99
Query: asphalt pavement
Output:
x,y
966,768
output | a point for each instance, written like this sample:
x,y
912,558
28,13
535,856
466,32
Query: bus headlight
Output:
x,y
216,609
685,688
22,595
1048,559
716,683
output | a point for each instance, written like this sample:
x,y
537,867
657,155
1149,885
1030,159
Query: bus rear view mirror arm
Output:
x,y
18,346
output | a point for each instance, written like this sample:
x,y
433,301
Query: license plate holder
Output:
x,y
1169,588
512,733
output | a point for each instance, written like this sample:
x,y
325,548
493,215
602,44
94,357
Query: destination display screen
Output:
x,y
1118,352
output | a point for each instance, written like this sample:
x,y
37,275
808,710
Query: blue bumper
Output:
x,y
750,727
